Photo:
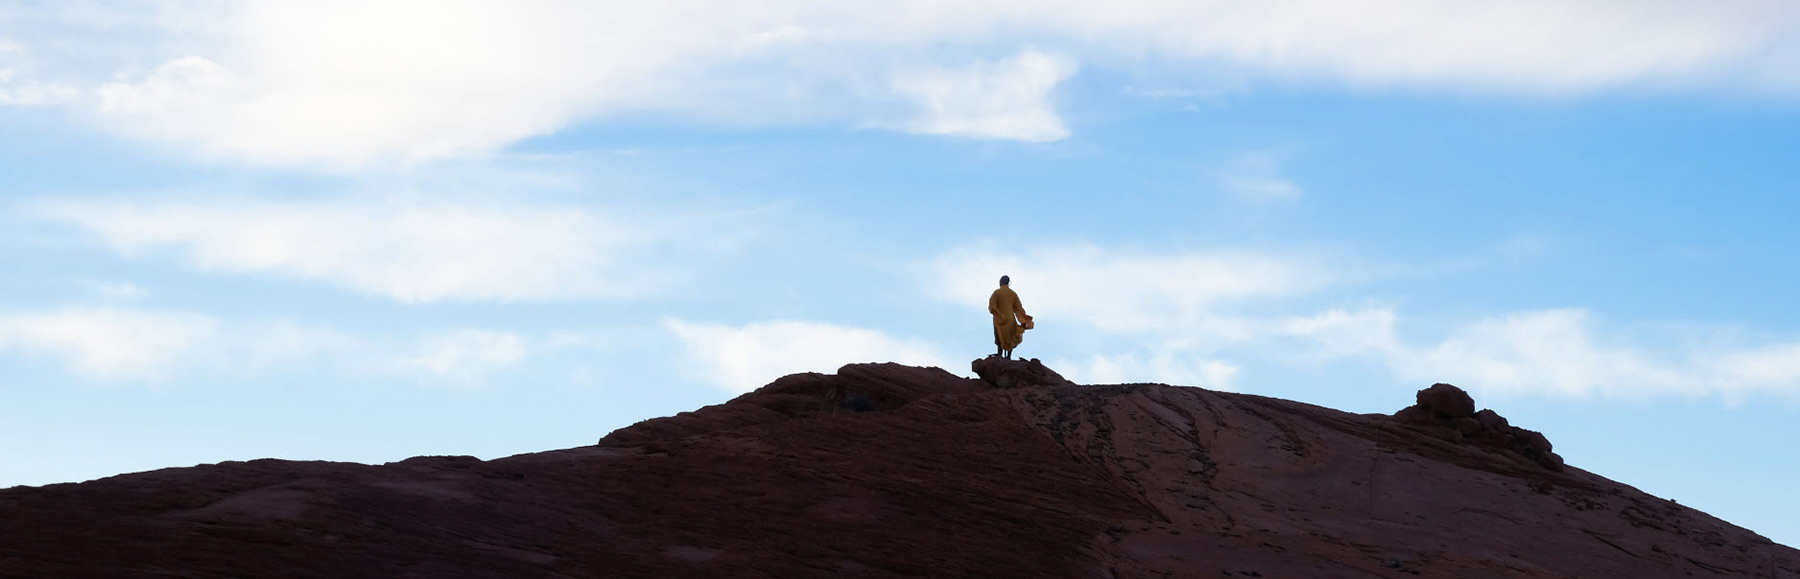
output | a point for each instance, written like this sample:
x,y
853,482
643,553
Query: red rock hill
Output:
x,y
884,470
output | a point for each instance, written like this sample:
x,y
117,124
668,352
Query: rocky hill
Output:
x,y
884,470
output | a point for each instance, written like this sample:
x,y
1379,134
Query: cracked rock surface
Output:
x,y
883,470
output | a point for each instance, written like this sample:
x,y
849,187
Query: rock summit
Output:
x,y
884,470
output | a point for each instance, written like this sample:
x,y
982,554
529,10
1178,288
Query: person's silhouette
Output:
x,y
1010,319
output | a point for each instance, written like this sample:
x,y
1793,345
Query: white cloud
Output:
x,y
1775,364
345,83
350,82
1553,352
1178,317
31,92
1539,351
1164,367
1338,332
466,355
1540,45
458,357
411,252
1119,291
1182,316
126,345
179,89
108,344
741,359
1009,99
1198,317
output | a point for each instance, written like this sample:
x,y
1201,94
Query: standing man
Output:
x,y
1010,320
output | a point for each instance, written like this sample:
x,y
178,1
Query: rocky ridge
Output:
x,y
883,470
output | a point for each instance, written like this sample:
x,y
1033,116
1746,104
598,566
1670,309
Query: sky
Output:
x,y
363,231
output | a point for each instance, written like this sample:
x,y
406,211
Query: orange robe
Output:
x,y
1010,319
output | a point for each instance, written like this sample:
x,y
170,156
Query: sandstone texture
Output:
x,y
882,470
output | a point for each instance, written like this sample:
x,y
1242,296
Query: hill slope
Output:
x,y
885,470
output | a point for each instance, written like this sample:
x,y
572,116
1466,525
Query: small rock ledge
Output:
x,y
1449,413
1009,373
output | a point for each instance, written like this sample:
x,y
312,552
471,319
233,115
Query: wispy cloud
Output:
x,y
1125,291
744,358
1257,177
1213,318
1551,350
413,252
117,291
117,345
1770,366
1009,99
1558,352
31,92
1167,366
108,344
466,355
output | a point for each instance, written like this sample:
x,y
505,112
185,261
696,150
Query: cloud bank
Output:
x,y
412,252
342,83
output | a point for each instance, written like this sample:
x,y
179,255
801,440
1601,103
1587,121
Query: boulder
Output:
x,y
1448,412
1008,373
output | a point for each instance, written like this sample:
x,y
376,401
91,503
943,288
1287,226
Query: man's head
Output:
x,y
1005,280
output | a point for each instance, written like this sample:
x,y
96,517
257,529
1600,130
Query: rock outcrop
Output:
x,y
1448,412
854,388
1010,373
885,471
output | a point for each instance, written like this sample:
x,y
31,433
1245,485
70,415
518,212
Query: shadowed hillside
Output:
x,y
883,470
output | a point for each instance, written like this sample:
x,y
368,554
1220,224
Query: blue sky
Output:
x,y
367,231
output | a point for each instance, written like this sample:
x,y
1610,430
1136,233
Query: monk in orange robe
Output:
x,y
1010,319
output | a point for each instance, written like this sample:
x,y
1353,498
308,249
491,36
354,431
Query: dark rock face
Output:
x,y
1448,412
855,388
1446,402
891,471
1008,373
